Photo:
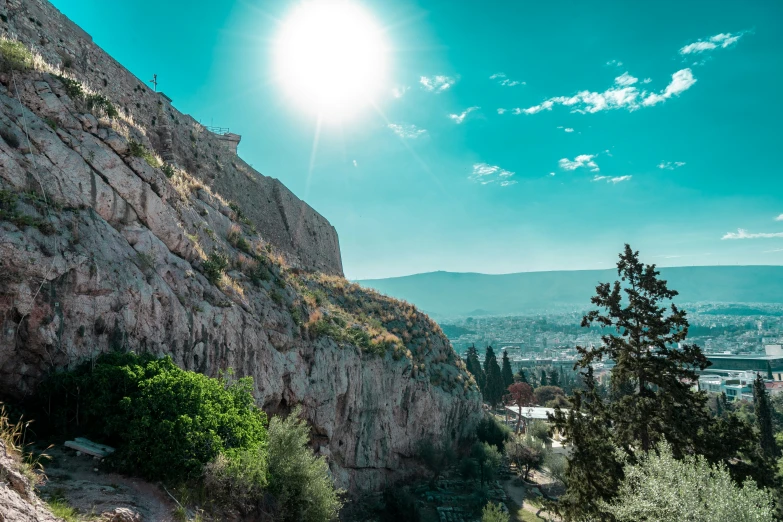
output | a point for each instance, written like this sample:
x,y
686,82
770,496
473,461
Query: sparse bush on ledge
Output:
x,y
14,56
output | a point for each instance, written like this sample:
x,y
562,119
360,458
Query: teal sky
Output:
x,y
655,123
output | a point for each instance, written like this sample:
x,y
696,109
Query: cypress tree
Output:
x,y
554,378
520,376
505,372
770,377
544,380
493,388
474,367
764,418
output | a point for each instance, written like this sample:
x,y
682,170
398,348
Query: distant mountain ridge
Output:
x,y
455,294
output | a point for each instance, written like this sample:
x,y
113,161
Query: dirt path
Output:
x,y
75,479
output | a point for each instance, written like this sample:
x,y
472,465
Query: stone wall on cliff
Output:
x,y
304,236
102,250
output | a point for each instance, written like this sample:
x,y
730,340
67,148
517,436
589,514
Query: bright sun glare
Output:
x,y
330,57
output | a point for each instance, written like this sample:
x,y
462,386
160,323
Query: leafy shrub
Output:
x,y
298,479
102,104
493,513
14,56
492,431
140,151
215,266
238,480
73,88
8,212
166,423
435,458
168,170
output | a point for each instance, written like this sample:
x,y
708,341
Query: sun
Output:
x,y
330,57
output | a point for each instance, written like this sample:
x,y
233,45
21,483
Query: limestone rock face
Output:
x,y
17,501
101,249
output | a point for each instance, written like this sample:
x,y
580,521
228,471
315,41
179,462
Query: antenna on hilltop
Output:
x,y
154,82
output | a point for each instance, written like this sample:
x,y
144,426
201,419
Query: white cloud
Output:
x,y
407,131
566,129
681,81
721,40
355,164
623,94
437,84
485,174
625,79
647,80
551,173
613,180
501,111
779,218
670,165
583,160
399,92
770,251
616,63
741,233
505,81
459,118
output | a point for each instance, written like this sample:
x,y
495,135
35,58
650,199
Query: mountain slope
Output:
x,y
448,293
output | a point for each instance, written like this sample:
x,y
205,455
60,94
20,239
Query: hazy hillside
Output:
x,y
447,293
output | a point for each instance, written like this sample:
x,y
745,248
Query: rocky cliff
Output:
x,y
119,232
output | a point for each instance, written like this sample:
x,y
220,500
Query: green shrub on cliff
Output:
x,y
14,56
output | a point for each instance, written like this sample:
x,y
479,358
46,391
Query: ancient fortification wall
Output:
x,y
305,237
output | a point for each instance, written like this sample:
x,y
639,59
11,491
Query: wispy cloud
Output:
x,y
610,179
406,130
779,218
503,80
616,63
581,161
437,84
484,173
399,92
355,164
670,165
459,118
771,251
566,129
501,111
741,233
623,94
721,40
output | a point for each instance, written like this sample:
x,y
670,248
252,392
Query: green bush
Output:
x,y
492,431
140,151
14,56
73,88
494,513
102,104
298,479
166,423
215,266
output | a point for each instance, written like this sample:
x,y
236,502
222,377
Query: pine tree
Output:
x,y
544,380
647,345
505,372
650,397
493,388
770,377
520,376
764,418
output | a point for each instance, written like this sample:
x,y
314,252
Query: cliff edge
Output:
x,y
117,235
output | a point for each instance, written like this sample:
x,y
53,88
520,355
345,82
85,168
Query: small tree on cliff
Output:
x,y
505,371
